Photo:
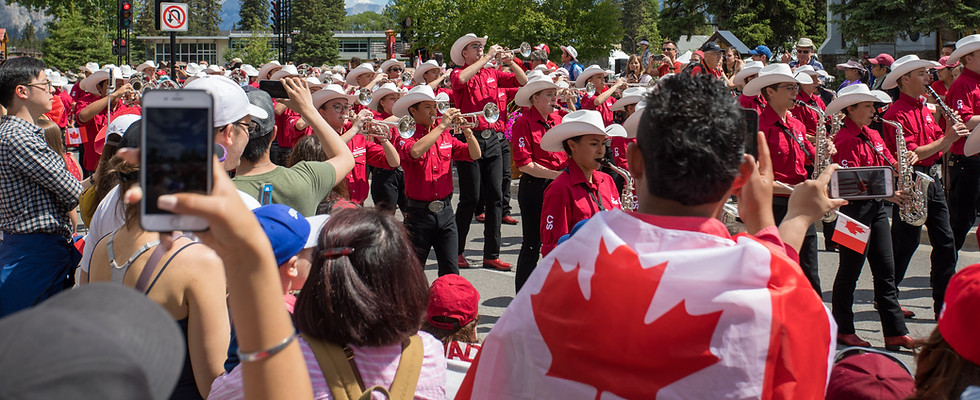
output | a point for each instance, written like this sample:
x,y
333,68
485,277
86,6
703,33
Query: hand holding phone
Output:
x,y
862,183
275,89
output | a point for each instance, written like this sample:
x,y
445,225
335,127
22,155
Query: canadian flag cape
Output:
x,y
627,309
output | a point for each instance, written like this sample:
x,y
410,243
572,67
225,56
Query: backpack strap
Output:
x,y
409,368
343,377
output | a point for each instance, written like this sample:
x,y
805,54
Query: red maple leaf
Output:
x,y
853,228
603,341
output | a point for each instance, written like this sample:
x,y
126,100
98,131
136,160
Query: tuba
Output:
x,y
915,183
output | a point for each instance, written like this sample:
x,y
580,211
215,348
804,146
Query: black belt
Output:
x,y
962,157
433,206
535,179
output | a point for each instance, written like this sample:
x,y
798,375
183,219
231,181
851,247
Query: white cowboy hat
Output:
x,y
807,69
685,58
330,92
91,83
266,69
903,66
364,68
193,69
750,68
534,85
422,69
964,46
972,145
147,64
56,79
286,70
576,123
616,130
194,77
543,68
382,91
583,78
126,71
631,95
773,74
632,122
315,83
213,70
417,94
571,51
456,54
391,62
90,67
854,94
249,70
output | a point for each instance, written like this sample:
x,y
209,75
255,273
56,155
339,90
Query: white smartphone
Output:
x,y
177,146
862,183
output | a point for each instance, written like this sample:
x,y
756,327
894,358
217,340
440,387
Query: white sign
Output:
x,y
173,17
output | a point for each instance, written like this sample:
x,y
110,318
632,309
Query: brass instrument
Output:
x,y
305,70
490,113
628,196
405,126
525,49
140,83
239,76
406,78
167,84
364,96
821,159
442,103
950,113
910,181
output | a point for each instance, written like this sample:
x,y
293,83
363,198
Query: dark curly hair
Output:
x,y
691,135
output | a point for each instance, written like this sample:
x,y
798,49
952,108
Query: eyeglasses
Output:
x,y
476,46
807,51
396,69
791,87
669,49
341,109
251,127
45,85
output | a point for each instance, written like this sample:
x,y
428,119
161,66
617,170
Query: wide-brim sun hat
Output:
x,y
851,64
589,72
773,74
853,94
364,68
616,130
419,77
632,123
390,63
194,69
90,83
417,94
964,46
457,50
285,71
57,80
750,68
330,92
249,70
267,69
903,66
534,85
384,90
576,123
571,51
631,96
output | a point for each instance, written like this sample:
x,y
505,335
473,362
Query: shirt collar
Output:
x,y
770,113
711,226
536,116
576,174
914,102
972,75
20,121
804,96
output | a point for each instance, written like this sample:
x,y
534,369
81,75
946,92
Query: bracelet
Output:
x,y
258,355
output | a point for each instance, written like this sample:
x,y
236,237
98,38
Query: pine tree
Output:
x,y
256,49
28,36
75,39
204,17
253,15
314,20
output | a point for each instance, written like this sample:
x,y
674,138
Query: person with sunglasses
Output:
x,y
393,69
38,192
668,60
806,53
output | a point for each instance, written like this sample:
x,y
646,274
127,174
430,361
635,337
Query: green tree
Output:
x,y
256,49
888,20
204,17
74,39
639,21
368,21
771,22
314,19
28,36
253,15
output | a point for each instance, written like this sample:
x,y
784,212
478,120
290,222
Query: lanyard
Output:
x,y
797,140
585,185
884,160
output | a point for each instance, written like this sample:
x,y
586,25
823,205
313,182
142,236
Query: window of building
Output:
x,y
188,52
353,46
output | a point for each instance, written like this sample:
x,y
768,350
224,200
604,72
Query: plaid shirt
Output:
x,y
36,190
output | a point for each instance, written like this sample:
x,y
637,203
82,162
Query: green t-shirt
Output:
x,y
301,187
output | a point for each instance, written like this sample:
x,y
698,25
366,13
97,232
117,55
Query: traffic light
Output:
x,y
119,46
125,14
276,16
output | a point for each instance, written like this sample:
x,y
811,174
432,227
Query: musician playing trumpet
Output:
x,y
926,139
387,184
603,100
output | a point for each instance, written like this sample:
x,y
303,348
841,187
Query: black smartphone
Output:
x,y
657,57
177,147
275,89
862,183
751,131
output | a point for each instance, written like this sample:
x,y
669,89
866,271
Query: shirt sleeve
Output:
x,y
961,101
770,234
46,168
506,79
554,217
461,151
522,137
455,83
374,155
292,134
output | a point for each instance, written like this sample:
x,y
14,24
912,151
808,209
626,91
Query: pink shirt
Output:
x,y
376,364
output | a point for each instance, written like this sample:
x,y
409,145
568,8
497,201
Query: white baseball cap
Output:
x,y
230,102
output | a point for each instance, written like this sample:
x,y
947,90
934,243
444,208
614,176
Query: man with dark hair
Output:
x,y
36,253
669,63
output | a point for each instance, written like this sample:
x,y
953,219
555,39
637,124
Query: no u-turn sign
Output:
x,y
173,17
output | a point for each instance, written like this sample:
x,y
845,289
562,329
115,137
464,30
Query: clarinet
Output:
x,y
953,115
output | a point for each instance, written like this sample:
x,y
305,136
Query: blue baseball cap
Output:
x,y
763,50
286,228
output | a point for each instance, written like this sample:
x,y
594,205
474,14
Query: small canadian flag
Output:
x,y
850,233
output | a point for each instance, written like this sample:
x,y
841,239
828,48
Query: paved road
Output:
x,y
497,288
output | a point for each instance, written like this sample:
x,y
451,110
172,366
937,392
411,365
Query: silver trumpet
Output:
x,y
405,126
305,70
490,113
406,78
442,103
239,76
140,83
364,96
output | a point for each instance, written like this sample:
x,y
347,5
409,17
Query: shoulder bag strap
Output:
x,y
884,159
409,368
336,369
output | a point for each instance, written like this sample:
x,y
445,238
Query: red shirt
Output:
x,y
665,68
92,127
289,135
527,132
788,158
854,151
809,117
588,103
619,145
569,199
430,177
757,102
504,97
918,127
365,153
939,87
703,69
964,96
481,89
713,226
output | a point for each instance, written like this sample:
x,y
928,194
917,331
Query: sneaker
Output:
x,y
507,219
481,217
497,264
461,262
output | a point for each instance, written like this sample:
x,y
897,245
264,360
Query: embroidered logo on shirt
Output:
x,y
843,163
549,222
445,146
359,152
928,118
520,142
491,80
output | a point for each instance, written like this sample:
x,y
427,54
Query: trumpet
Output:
x,y
406,78
405,126
139,82
239,76
442,103
364,96
490,113
525,50
305,70
589,89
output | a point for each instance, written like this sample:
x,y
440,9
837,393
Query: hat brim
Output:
x,y
322,96
400,109
754,88
419,76
378,95
523,96
282,73
390,63
632,123
621,104
457,51
844,66
265,71
90,83
891,80
316,226
583,78
552,140
351,78
842,102
962,51
616,130
739,78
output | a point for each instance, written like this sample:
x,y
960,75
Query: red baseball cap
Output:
x,y
958,321
452,296
869,376
942,63
883,59
544,47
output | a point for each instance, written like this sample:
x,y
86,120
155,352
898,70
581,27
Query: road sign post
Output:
x,y
173,19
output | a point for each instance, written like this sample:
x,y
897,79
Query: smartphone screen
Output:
x,y
275,89
862,183
751,130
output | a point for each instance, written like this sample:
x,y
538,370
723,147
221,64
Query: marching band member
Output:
x,y
252,74
430,73
626,104
964,171
288,122
387,184
580,190
749,71
603,100
860,146
426,158
474,86
924,138
363,77
91,109
809,94
789,149
393,70
539,167
265,71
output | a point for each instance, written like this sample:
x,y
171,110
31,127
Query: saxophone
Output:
x,y
915,183
628,197
821,159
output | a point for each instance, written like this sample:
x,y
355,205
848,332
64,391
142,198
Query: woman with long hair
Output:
x,y
634,70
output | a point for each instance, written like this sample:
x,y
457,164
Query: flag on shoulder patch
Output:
x,y
850,233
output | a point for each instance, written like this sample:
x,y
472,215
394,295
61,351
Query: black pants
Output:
x,y
530,196
879,255
481,207
433,230
486,173
808,252
964,190
388,188
905,240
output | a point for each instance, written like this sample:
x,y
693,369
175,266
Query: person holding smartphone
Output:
x,y
860,146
